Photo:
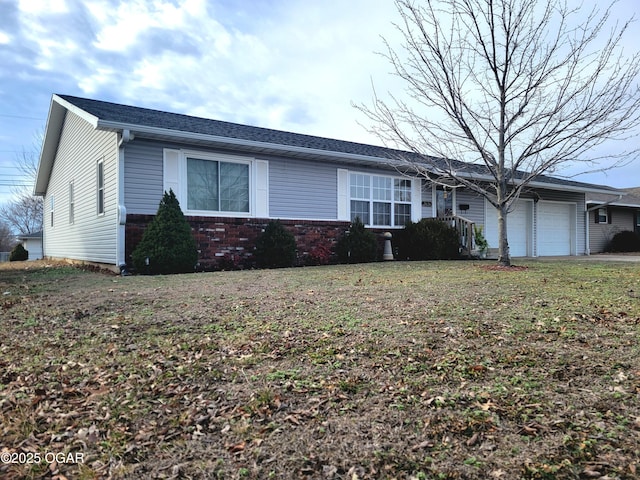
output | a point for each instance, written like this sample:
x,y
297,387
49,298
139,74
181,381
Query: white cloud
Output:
x,y
286,64
122,27
42,7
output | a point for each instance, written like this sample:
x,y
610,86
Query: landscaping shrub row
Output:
x,y
626,241
428,239
168,246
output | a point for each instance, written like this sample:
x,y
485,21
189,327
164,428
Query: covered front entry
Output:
x,y
519,228
556,228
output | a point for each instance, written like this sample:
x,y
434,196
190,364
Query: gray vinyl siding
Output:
x,y
476,205
142,176
298,189
303,190
91,237
600,234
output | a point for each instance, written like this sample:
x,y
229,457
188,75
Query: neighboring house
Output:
x,y
32,243
104,168
610,214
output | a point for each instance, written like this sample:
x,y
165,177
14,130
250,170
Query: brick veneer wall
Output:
x,y
228,243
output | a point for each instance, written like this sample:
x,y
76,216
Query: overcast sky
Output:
x,y
295,65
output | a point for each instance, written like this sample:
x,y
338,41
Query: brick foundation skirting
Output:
x,y
228,243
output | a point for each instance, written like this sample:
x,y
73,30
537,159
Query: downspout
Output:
x,y
587,211
125,137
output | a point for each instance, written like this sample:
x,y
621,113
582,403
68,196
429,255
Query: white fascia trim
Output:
x,y
286,148
91,119
548,186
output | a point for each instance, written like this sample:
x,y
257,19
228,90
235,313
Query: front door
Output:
x,y
444,202
638,222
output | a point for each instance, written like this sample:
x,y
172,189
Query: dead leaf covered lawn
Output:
x,y
395,370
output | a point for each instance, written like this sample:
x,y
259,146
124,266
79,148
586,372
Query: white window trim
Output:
x,y
175,178
72,203
606,215
100,192
51,209
412,203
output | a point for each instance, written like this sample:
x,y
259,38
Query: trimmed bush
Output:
x,y
276,247
626,241
428,239
18,254
167,241
358,245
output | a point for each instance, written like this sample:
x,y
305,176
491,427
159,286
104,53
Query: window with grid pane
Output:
x,y
380,201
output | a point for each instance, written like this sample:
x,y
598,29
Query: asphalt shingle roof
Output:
x,y
130,115
114,112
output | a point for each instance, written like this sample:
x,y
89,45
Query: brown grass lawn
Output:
x,y
434,370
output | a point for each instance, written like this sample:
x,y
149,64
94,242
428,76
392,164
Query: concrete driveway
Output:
x,y
598,257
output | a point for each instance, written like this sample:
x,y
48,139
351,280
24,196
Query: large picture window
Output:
x,y
380,201
217,186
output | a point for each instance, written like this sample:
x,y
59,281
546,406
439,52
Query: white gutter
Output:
x,y
240,142
126,137
178,134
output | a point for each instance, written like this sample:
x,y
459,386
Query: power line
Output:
x,y
19,116
18,151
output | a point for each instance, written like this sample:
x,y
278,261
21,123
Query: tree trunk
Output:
x,y
504,257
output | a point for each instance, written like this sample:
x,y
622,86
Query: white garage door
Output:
x,y
518,228
554,228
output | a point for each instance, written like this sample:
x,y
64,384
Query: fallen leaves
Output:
x,y
395,371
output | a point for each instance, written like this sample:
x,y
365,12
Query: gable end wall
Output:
x,y
90,237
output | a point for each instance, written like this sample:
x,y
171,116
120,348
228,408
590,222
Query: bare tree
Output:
x,y
512,88
24,214
7,240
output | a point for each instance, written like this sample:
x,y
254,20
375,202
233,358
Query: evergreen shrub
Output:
x,y
276,247
18,254
167,241
428,239
358,245
626,241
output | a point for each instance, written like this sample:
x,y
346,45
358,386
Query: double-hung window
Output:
x,y
72,202
380,201
100,188
602,215
217,186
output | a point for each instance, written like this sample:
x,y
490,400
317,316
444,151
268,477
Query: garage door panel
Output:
x,y
518,222
554,228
